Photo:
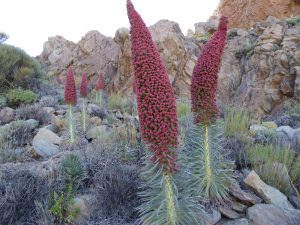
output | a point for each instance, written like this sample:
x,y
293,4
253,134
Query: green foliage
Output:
x,y
292,107
17,68
124,104
183,108
16,97
202,38
163,203
274,165
72,170
211,175
236,122
2,101
292,21
232,33
61,206
246,51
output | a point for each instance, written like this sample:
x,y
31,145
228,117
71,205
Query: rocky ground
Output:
x,y
43,149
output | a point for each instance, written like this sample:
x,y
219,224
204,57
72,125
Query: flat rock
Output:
x,y
267,193
46,143
287,130
245,197
270,214
239,207
228,212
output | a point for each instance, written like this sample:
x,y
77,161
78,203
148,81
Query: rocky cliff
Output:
x,y
245,13
260,70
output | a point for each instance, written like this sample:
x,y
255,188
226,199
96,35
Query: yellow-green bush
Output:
x,y
122,103
236,122
275,166
16,97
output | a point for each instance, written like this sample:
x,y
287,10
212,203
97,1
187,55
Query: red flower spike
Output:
x,y
100,83
155,97
83,86
70,88
205,76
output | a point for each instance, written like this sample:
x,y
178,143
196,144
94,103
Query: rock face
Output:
x,y
260,67
245,13
96,53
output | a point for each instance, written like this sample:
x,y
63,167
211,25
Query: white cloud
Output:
x,y
29,23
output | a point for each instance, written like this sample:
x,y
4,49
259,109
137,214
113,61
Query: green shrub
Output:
x,y
293,20
124,104
183,108
202,38
16,67
16,97
274,165
236,122
2,101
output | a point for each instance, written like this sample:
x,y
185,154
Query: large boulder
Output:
x,y
269,214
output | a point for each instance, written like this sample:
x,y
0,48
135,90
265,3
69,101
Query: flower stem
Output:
x,y
207,159
83,112
71,127
169,199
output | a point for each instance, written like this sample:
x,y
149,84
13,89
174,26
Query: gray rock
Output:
x,y
7,115
267,193
210,218
242,221
83,204
52,127
282,140
269,214
296,140
228,212
46,143
245,197
287,130
239,207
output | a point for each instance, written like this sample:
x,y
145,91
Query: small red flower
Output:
x,y
155,97
100,85
83,86
205,76
70,88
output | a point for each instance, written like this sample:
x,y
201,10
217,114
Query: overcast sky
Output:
x,y
29,23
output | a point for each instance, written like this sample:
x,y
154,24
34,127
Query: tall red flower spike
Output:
x,y
70,88
155,97
83,86
205,76
100,85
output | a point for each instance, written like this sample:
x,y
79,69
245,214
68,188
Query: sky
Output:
x,y
29,23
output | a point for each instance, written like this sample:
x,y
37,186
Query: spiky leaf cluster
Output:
x,y
205,161
83,86
205,76
165,202
70,88
155,97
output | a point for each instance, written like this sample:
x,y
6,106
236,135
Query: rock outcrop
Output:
x,y
260,67
245,13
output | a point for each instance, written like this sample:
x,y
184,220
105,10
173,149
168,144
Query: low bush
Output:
x,y
277,167
183,108
16,97
124,104
19,189
33,111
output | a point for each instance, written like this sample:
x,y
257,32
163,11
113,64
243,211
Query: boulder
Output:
x,y
32,123
242,221
46,143
287,130
7,115
82,204
244,197
270,214
228,212
268,193
210,218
